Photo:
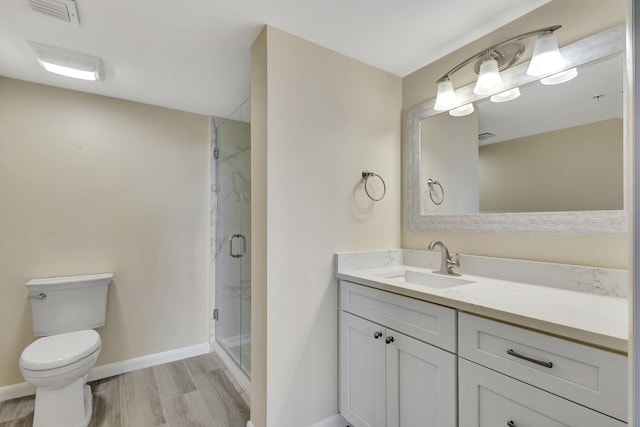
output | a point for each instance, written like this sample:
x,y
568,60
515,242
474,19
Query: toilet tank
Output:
x,y
67,304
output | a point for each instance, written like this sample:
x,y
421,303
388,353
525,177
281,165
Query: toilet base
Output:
x,y
69,406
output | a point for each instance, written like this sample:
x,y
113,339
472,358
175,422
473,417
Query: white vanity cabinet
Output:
x,y
388,377
514,377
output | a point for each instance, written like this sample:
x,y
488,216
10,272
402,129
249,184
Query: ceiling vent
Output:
x,y
483,137
64,10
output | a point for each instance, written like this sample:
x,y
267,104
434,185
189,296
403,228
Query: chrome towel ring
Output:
x,y
365,177
432,184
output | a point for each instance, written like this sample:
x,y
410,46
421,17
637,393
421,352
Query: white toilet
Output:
x,y
65,312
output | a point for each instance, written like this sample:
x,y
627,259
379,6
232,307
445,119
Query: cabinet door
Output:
x,y
362,371
421,384
491,399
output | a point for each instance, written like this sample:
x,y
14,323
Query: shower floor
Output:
x,y
242,355
239,349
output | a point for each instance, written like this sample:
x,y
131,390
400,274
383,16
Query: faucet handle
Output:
x,y
454,260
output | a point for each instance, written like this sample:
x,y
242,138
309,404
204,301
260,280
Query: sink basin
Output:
x,y
422,278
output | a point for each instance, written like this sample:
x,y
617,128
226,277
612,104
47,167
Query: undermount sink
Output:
x,y
422,278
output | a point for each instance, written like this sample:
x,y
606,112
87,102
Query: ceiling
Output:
x,y
194,55
596,94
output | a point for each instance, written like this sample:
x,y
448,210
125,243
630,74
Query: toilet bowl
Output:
x,y
65,311
57,366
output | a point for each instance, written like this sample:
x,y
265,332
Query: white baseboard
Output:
x,y
16,390
117,368
233,368
332,421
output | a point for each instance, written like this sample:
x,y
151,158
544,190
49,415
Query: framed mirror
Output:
x,y
551,161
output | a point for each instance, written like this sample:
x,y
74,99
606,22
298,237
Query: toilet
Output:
x,y
66,310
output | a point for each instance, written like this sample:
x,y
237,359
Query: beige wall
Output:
x,y
579,18
573,169
318,120
91,184
259,186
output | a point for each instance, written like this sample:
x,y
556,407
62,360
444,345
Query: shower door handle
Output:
x,y
244,246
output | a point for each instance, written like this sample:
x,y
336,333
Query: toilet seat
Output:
x,y
58,351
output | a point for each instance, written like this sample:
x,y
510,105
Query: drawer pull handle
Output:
x,y
511,424
377,334
511,352
389,340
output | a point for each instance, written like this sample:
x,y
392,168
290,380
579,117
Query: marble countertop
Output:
x,y
597,320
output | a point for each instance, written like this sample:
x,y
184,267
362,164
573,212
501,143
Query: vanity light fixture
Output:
x,y
489,62
68,62
465,110
560,77
507,95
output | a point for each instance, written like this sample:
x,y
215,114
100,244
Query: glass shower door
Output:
x,y
233,239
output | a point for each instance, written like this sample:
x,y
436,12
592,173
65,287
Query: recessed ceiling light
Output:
x,y
68,62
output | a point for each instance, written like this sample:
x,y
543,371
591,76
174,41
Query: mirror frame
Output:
x,y
604,222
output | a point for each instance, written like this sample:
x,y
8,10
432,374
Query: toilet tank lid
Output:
x,y
60,350
70,281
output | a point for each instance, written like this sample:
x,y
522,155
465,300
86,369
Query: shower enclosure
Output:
x,y
231,233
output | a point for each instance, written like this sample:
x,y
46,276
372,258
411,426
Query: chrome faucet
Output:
x,y
447,261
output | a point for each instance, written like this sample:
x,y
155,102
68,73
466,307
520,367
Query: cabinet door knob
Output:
x,y
389,340
511,424
377,334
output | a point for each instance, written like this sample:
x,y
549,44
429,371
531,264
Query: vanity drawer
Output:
x,y
427,322
490,399
583,374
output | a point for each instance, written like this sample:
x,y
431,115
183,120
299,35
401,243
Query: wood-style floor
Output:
x,y
191,392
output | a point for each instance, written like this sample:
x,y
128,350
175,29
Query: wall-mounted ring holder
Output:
x,y
365,177
438,199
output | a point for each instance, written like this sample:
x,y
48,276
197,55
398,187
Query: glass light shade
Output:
x,y
465,110
507,95
446,97
489,80
561,77
546,56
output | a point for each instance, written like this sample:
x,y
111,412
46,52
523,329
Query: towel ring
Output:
x,y
431,183
365,177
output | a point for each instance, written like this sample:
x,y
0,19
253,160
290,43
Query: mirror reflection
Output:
x,y
555,147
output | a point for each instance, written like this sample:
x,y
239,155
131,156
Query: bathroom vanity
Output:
x,y
507,343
